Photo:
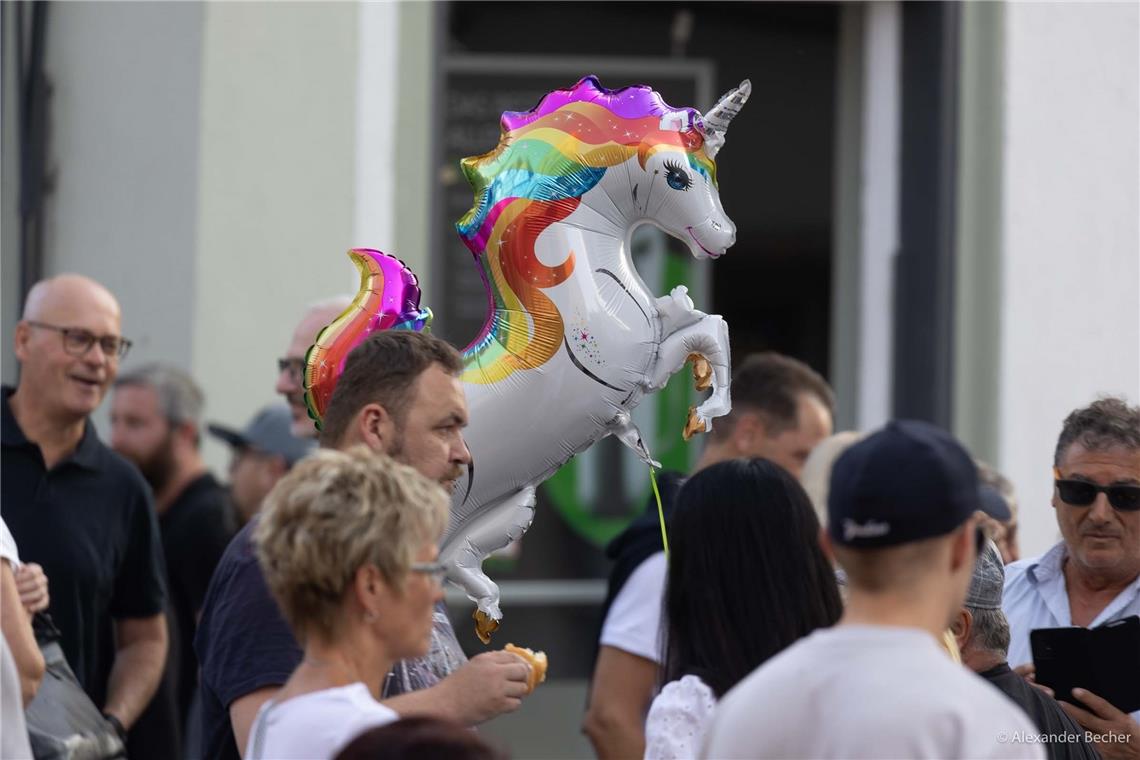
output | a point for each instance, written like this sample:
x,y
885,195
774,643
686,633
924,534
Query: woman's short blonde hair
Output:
x,y
335,512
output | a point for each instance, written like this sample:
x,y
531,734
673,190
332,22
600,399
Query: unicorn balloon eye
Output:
x,y
676,177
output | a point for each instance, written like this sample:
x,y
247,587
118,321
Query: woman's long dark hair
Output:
x,y
747,576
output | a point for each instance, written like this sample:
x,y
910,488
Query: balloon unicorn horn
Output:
x,y
725,110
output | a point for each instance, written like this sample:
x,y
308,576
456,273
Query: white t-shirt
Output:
x,y
633,623
679,719
316,725
13,731
8,546
868,692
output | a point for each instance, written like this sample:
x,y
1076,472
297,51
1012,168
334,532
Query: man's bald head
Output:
x,y
289,381
58,296
60,375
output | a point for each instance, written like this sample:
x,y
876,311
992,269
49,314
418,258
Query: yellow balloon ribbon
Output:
x,y
660,509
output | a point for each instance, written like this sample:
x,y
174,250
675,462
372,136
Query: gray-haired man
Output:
x,y
1092,576
982,633
156,423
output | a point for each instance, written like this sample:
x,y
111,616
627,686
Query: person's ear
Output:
x,y
962,547
747,432
186,433
20,339
825,544
375,427
372,591
960,627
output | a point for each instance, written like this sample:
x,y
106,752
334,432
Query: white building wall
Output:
x,y
124,154
277,189
378,59
1071,232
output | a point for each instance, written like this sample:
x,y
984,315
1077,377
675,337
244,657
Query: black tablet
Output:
x,y
1105,660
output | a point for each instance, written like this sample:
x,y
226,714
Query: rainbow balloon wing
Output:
x,y
388,299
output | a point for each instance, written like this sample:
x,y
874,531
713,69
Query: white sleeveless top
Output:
x,y
314,725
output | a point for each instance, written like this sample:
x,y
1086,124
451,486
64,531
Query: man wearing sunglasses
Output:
x,y
75,506
1092,576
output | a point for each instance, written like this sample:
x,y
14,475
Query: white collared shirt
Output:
x,y
1035,596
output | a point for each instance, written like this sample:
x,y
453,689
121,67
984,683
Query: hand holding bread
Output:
x,y
536,661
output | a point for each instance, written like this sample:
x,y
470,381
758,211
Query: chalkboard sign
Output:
x,y
476,90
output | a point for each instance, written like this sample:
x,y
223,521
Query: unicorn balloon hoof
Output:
x,y
702,372
486,623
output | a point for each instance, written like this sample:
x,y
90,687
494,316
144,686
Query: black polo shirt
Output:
x,y
89,522
195,530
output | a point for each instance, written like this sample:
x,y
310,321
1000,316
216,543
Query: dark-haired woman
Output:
x,y
747,577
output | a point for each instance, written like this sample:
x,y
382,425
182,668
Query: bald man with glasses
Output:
x,y
76,507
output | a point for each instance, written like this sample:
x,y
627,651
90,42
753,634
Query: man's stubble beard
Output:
x,y
396,452
158,469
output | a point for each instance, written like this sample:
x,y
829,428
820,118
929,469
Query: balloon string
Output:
x,y
660,509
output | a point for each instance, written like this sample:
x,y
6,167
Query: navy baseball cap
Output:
x,y
270,432
907,482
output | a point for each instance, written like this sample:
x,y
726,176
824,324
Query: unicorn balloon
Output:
x,y
573,339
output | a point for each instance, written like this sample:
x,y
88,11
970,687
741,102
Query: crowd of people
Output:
x,y
858,594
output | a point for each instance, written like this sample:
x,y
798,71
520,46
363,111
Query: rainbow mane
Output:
x,y
546,160
388,299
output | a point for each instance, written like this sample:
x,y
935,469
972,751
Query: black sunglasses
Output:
x,y
1081,493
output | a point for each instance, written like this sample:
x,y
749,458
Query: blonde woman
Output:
x,y
347,543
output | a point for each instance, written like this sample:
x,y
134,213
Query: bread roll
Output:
x,y
537,662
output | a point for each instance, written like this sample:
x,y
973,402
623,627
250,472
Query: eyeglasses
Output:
x,y
1081,493
77,341
437,571
295,367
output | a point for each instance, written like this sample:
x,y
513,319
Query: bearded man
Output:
x,y
156,422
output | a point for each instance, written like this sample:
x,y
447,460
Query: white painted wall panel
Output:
x,y
124,152
1071,233
278,181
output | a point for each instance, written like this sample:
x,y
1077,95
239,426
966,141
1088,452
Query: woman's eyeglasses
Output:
x,y
437,571
1081,493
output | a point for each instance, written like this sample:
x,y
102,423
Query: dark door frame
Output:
x,y
925,267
